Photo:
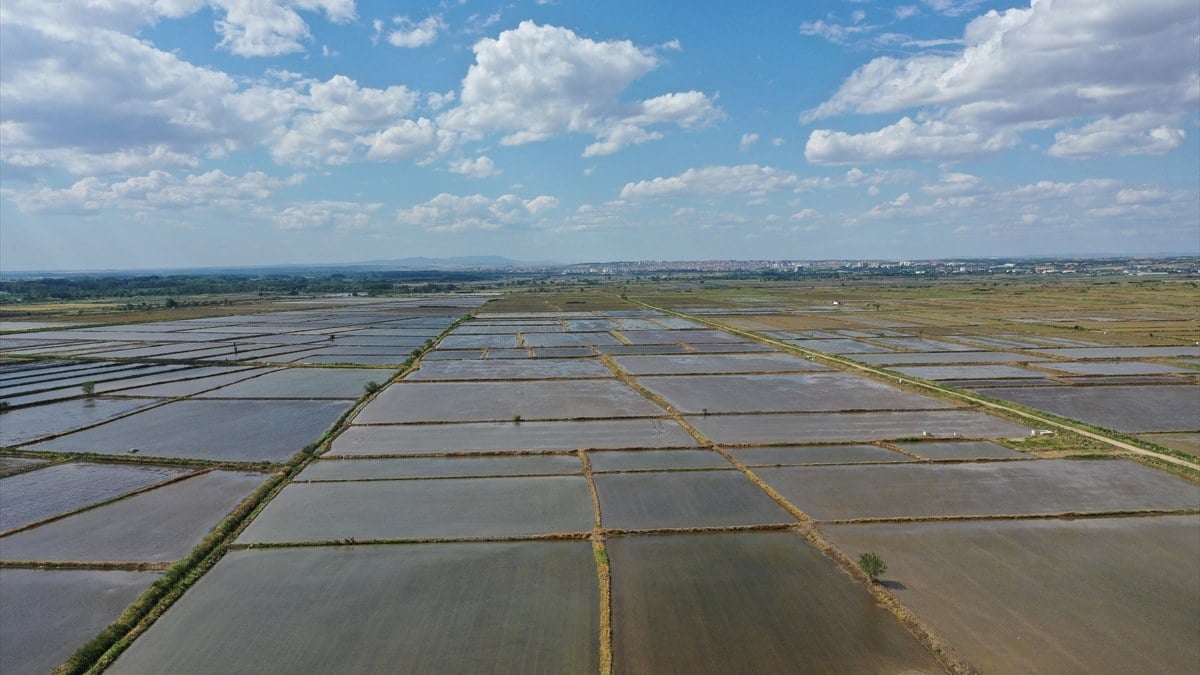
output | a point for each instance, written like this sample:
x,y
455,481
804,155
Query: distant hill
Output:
x,y
407,264
458,262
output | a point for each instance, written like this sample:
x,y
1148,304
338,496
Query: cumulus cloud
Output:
x,y
747,141
716,180
269,27
534,82
1112,65
333,121
1133,134
455,213
339,215
480,167
155,190
954,184
905,139
411,34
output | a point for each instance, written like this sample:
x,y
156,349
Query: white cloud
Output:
x,y
480,167
157,190
805,214
270,27
954,184
406,140
410,34
905,139
836,33
454,213
777,141
747,141
341,216
335,120
906,12
716,180
1137,196
954,7
1097,61
535,82
1133,134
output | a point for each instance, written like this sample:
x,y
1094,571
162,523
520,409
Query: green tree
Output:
x,y
88,387
872,564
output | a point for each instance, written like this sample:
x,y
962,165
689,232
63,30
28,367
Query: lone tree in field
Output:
x,y
88,387
872,564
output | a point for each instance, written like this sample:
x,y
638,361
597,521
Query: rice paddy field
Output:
x,y
634,480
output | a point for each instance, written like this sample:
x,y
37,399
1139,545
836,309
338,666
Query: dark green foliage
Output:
x,y
873,565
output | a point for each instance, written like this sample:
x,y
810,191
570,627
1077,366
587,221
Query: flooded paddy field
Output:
x,y
969,372
240,431
773,601
795,455
959,450
851,426
36,495
476,514
1124,408
494,401
21,425
716,364
783,393
433,439
650,460
424,509
513,369
930,358
531,606
47,614
297,383
1095,595
159,525
441,467
980,489
645,501
1117,368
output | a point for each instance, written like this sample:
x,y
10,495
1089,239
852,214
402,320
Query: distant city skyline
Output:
x,y
195,133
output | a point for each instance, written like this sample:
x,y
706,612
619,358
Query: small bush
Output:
x,y
371,387
872,564
88,388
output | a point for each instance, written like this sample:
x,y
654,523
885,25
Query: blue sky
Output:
x,y
174,133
